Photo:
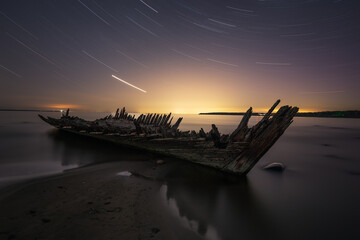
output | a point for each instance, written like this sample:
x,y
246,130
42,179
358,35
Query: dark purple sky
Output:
x,y
189,56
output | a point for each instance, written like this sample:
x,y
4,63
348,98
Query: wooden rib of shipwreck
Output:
x,y
237,152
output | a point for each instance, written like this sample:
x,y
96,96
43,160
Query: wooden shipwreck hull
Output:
x,y
237,152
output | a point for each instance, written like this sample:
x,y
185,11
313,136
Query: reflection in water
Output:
x,y
214,205
79,150
207,231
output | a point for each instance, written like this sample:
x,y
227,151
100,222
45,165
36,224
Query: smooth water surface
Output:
x,y
316,197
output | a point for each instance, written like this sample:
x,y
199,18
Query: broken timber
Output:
x,y
235,153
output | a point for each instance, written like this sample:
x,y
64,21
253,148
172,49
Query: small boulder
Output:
x,y
275,166
160,161
124,173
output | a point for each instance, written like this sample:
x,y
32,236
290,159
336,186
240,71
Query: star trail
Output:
x,y
123,81
197,55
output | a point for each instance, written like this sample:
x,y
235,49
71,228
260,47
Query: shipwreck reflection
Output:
x,y
216,206
205,230
77,150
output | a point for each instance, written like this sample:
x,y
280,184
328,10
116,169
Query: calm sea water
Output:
x,y
316,197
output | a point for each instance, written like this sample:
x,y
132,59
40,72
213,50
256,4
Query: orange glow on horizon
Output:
x,y
196,90
180,108
62,106
226,110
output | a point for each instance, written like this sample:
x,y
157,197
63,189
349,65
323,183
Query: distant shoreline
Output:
x,y
30,110
327,114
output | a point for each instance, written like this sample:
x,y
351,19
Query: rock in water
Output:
x,y
125,174
160,161
275,166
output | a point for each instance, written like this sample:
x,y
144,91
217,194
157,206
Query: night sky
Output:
x,y
189,56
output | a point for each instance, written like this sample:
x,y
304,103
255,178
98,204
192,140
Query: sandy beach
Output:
x,y
93,202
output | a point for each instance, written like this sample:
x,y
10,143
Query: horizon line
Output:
x,y
214,112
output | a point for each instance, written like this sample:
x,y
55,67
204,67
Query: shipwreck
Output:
x,y
235,153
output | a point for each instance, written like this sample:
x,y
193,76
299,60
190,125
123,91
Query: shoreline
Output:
x,y
328,114
92,202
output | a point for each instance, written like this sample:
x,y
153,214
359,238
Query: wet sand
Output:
x,y
93,202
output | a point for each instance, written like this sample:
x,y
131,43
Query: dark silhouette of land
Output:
x,y
27,110
327,114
